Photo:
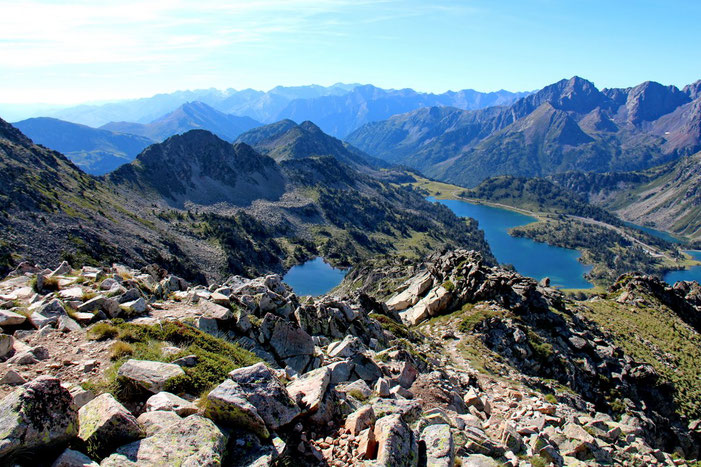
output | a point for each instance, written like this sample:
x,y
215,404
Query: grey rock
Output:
x,y
92,305
71,458
38,414
47,314
309,389
227,405
151,376
63,269
7,343
397,445
106,424
153,422
439,445
194,442
166,401
265,391
12,378
10,318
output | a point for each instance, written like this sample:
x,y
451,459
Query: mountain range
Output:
x,y
95,151
207,208
336,109
567,126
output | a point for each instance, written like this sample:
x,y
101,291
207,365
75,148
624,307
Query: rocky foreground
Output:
x,y
458,364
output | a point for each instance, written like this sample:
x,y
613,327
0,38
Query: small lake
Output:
x,y
315,277
530,258
691,274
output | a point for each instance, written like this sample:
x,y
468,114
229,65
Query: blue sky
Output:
x,y
87,50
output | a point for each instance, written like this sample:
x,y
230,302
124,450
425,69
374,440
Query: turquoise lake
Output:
x,y
693,274
532,259
315,277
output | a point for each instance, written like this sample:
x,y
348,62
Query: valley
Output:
x,y
608,246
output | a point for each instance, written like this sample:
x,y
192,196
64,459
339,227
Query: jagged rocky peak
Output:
x,y
575,94
650,100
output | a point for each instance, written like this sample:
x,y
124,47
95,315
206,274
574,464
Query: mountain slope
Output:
x,y
569,125
94,150
190,116
204,208
667,197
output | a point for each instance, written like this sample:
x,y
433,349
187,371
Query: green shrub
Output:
x,y
102,331
474,319
551,398
449,286
356,393
120,350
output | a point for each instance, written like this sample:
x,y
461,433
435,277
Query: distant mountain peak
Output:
x,y
650,100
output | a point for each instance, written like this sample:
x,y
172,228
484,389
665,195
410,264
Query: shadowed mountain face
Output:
x,y
202,169
94,150
569,125
190,116
205,208
286,140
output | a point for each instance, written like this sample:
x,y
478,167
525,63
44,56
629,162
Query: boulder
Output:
x,y
39,414
12,378
149,375
106,424
432,304
264,390
396,443
308,390
361,419
62,270
346,348
357,387
136,307
439,445
367,444
195,441
47,314
410,296
10,318
291,344
227,405
152,422
166,401
92,305
214,311
7,345
382,387
71,458
67,324
479,460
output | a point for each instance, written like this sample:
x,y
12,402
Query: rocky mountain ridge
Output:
x,y
127,358
569,125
